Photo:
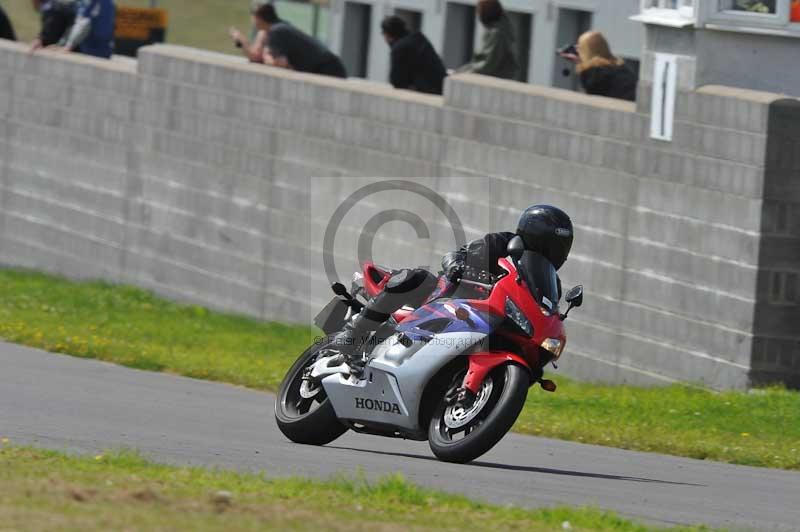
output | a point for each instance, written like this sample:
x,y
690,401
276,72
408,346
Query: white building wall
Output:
x,y
608,16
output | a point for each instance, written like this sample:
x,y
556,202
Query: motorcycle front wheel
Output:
x,y
461,433
303,411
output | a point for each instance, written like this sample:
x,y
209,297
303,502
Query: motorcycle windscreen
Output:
x,y
540,277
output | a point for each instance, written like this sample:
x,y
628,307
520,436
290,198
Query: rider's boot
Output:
x,y
350,342
405,287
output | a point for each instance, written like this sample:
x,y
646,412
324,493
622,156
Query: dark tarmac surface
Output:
x,y
61,402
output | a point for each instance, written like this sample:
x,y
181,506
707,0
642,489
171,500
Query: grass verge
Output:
x,y
122,491
132,327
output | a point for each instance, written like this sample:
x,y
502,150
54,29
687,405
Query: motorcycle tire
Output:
x,y
489,425
313,427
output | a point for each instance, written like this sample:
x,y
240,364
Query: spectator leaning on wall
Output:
x,y
93,31
288,47
252,48
415,64
600,72
497,56
6,29
278,43
57,18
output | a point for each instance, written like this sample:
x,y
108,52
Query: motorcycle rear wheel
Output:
x,y
462,435
307,420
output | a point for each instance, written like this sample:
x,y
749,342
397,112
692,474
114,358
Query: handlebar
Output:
x,y
476,283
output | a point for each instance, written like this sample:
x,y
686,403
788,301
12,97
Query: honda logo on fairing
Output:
x,y
380,406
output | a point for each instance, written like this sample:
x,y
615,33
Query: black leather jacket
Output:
x,y
477,256
474,259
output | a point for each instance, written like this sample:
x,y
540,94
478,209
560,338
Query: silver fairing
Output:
x,y
395,379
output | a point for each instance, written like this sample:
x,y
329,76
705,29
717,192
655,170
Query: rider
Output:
x,y
544,229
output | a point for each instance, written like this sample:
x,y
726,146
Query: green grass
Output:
x,y
760,428
197,23
132,327
121,491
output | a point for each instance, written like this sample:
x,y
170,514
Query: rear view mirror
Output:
x,y
516,247
575,296
339,289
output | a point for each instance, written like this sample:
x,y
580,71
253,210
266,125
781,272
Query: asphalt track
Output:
x,y
61,402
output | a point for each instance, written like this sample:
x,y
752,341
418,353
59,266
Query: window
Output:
x,y
757,16
674,13
523,26
357,22
459,34
311,18
668,4
572,23
765,7
776,17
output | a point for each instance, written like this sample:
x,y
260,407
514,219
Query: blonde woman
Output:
x,y
600,72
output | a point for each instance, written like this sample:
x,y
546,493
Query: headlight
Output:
x,y
516,315
553,346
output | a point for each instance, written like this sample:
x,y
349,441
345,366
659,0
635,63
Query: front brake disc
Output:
x,y
457,415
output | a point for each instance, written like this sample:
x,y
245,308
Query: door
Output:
x,y
357,22
523,26
459,35
572,23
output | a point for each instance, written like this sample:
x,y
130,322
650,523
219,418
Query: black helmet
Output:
x,y
546,230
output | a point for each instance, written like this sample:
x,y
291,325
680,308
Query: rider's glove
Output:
x,y
453,265
455,273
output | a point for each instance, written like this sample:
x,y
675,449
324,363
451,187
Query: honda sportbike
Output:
x,y
455,371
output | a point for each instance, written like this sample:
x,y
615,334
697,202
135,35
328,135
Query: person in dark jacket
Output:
x,y
285,46
6,29
600,72
415,64
497,56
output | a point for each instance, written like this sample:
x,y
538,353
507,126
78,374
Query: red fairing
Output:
x,y
544,325
480,364
402,314
372,272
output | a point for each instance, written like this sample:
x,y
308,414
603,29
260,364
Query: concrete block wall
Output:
x,y
667,236
213,181
64,137
776,353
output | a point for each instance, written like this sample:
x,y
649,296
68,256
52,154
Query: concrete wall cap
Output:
x,y
117,63
742,94
548,92
239,64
